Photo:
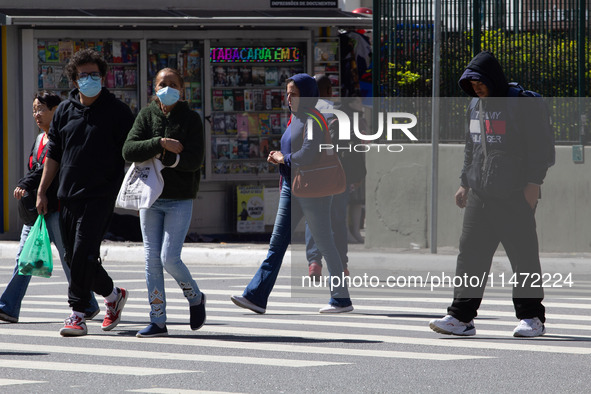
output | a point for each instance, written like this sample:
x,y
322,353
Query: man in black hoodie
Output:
x,y
86,137
516,130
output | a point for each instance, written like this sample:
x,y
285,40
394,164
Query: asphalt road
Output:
x,y
384,346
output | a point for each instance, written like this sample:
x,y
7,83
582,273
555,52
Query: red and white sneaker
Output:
x,y
74,327
113,315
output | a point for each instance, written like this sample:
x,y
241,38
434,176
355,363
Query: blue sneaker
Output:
x,y
152,331
197,313
7,317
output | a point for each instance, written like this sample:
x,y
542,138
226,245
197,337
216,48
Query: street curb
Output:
x,y
254,254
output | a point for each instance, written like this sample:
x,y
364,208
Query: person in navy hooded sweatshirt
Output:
x,y
515,126
297,150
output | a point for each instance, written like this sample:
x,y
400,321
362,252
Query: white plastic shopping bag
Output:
x,y
141,186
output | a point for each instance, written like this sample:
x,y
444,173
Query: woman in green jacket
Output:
x,y
170,131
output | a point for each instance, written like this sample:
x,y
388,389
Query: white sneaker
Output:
x,y
336,309
529,328
449,325
242,302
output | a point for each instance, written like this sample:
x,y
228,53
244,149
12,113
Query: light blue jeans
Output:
x,y
11,299
164,227
290,211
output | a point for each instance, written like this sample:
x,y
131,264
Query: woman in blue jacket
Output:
x,y
297,150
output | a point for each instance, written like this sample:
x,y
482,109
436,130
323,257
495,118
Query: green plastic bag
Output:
x,y
35,258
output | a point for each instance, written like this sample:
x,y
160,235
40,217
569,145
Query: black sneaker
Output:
x,y
198,314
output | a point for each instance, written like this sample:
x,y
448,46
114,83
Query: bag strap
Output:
x,y
482,127
43,152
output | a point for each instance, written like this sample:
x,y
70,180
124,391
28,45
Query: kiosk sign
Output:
x,y
255,54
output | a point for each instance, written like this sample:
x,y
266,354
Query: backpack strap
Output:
x,y
516,90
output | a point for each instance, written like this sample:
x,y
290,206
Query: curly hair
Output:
x,y
82,57
49,99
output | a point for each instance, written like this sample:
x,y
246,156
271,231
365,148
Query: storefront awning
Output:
x,y
182,18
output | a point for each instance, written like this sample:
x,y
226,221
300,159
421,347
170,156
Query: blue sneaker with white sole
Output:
x,y
152,331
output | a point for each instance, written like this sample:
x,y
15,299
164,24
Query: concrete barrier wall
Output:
x,y
398,194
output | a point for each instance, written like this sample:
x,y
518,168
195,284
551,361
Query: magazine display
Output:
x,y
249,115
187,58
122,74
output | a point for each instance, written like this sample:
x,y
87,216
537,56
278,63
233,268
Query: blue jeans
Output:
x,y
164,227
338,220
11,299
289,213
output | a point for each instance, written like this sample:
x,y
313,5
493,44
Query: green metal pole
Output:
x,y
516,15
435,125
581,49
581,66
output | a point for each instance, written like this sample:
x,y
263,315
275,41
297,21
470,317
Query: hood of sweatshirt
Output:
x,y
485,68
308,91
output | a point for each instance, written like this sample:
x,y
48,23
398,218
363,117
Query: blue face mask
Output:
x,y
89,87
168,95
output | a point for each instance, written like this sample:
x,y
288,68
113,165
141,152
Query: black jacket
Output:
x,y
87,142
30,182
514,124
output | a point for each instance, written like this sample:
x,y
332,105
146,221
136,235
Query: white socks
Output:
x,y
113,296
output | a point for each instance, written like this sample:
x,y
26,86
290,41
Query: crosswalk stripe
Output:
x,y
177,391
535,345
443,300
398,309
344,321
232,309
14,382
141,354
275,347
515,345
89,368
283,295
367,309
340,323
